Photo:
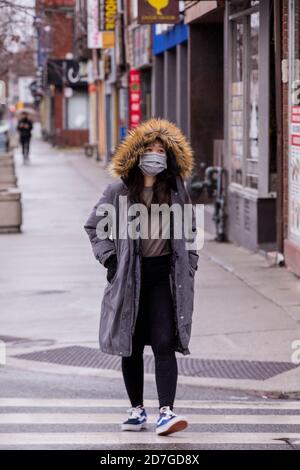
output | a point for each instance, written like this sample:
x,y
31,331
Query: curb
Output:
x,y
244,386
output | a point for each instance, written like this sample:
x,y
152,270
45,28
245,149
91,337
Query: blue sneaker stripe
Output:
x,y
137,421
163,420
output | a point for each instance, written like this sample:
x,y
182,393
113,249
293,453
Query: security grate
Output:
x,y
80,356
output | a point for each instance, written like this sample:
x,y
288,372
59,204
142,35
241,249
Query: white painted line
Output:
x,y
144,437
117,418
105,403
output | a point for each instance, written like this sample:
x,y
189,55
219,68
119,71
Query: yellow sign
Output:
x,y
159,5
107,39
158,11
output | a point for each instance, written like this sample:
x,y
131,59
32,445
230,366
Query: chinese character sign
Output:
x,y
134,98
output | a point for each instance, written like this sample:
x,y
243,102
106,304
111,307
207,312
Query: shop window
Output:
x,y
77,111
237,6
244,119
252,150
145,94
237,101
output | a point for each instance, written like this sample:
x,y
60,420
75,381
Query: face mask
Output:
x,y
152,163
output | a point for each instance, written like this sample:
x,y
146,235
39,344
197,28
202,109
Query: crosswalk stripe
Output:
x,y
116,418
107,403
113,438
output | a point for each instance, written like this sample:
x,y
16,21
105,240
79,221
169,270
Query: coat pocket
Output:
x,y
112,271
111,276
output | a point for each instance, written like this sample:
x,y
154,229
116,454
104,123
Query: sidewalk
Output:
x,y
245,310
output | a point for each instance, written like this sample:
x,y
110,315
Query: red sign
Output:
x,y
296,114
296,140
134,98
92,88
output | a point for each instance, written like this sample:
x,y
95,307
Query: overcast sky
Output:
x,y
20,29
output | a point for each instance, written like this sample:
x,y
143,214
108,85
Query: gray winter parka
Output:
x,y
120,302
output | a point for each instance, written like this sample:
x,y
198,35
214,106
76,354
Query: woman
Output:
x,y
148,298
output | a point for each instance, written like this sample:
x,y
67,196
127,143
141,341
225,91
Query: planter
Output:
x,y
7,158
10,210
8,177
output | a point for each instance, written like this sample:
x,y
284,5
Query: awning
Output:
x,y
198,11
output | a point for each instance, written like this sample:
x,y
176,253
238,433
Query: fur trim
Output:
x,y
129,150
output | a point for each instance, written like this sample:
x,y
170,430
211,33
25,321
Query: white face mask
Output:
x,y
152,163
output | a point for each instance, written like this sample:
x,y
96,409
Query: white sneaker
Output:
x,y
168,422
137,419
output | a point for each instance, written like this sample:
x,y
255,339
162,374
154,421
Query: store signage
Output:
x,y
101,15
66,72
141,45
158,11
134,98
93,33
107,15
294,173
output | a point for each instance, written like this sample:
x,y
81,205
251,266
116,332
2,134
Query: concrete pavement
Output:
x,y
245,309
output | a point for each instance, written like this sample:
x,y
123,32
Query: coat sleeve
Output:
x,y
102,248
193,255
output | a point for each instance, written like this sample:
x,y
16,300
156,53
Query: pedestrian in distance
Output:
x,y
148,297
24,128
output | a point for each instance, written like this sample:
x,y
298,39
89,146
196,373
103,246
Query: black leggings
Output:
x,y
25,147
155,325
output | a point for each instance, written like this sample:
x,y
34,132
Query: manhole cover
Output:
x,y
80,356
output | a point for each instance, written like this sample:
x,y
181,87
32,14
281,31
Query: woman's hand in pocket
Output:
x,y
112,264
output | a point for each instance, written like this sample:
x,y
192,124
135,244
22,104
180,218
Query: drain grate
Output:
x,y
80,356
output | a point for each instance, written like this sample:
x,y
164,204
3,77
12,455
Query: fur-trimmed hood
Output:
x,y
129,150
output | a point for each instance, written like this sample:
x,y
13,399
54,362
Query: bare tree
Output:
x,y
16,33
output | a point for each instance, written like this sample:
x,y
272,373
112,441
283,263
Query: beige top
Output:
x,y
152,246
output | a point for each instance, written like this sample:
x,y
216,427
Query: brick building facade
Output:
x,y
63,98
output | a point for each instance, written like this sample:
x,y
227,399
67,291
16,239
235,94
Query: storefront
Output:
x,y
205,85
250,158
112,136
292,241
170,72
141,39
69,102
